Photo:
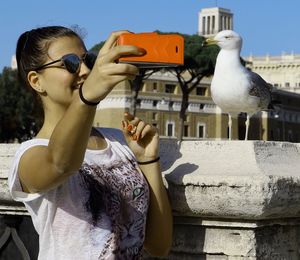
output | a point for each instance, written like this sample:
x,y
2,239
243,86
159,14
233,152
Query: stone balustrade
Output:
x,y
231,200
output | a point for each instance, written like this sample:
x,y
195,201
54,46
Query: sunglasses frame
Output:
x,y
63,58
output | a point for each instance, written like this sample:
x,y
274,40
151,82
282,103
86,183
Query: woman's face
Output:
x,y
59,84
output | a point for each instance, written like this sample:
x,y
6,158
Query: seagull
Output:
x,y
234,88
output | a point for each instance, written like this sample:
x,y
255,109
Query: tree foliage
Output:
x,y
137,84
199,62
19,117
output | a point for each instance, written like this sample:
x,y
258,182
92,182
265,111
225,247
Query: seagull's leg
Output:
x,y
247,123
230,126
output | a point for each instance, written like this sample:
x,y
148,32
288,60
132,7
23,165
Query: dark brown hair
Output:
x,y
32,47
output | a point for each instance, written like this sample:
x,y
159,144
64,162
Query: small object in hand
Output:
x,y
162,50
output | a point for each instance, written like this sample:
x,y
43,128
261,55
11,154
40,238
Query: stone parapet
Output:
x,y
230,199
237,179
234,199
7,205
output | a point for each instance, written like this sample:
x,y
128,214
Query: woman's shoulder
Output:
x,y
26,145
33,142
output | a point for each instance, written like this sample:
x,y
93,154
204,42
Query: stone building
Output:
x,y
213,20
282,71
159,103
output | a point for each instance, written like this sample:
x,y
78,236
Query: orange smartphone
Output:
x,y
162,50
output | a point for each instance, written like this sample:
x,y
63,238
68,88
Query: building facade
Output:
x,y
213,20
159,103
283,71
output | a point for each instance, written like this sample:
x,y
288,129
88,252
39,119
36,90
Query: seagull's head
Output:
x,y
227,40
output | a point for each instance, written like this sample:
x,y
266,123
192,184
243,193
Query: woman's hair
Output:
x,y
32,47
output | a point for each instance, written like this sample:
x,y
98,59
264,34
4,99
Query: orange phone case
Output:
x,y
162,50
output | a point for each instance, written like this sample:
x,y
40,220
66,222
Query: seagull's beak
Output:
x,y
209,41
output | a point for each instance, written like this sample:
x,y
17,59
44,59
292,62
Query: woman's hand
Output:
x,y
141,138
106,73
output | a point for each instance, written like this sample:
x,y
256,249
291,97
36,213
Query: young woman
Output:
x,y
92,193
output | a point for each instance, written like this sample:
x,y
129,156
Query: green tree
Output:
x,y
19,116
137,84
199,62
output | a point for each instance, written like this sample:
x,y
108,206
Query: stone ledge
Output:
x,y
231,200
233,179
7,151
251,180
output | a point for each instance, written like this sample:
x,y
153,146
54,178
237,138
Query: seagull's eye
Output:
x,y
227,37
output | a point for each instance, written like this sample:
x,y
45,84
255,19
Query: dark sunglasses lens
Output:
x,y
90,59
71,62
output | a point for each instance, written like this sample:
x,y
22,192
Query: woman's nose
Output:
x,y
84,71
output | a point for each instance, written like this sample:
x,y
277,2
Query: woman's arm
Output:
x,y
44,167
144,142
159,228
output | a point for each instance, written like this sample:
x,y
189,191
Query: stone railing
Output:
x,y
18,239
230,199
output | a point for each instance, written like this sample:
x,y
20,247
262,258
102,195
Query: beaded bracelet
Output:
x,y
149,162
89,103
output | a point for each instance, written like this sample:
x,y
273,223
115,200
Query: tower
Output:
x,y
213,20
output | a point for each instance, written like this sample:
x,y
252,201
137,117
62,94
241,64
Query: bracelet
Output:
x,y
148,162
89,103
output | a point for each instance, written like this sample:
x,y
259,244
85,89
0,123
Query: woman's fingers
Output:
x,y
110,52
117,52
111,41
115,73
137,128
118,69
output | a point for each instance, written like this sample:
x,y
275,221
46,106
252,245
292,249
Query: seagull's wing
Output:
x,y
260,88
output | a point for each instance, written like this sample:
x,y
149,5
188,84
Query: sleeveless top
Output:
x,y
97,213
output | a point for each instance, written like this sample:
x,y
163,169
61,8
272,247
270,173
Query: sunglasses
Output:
x,y
72,62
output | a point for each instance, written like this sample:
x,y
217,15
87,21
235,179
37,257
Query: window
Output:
x,y
170,88
154,103
208,25
170,129
186,131
271,135
201,130
154,86
200,91
290,136
154,116
213,24
287,84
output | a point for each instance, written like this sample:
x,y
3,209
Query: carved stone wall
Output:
x,y
231,200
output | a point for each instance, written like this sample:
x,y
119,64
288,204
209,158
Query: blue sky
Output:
x,y
267,26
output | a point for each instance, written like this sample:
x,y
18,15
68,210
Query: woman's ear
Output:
x,y
34,81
